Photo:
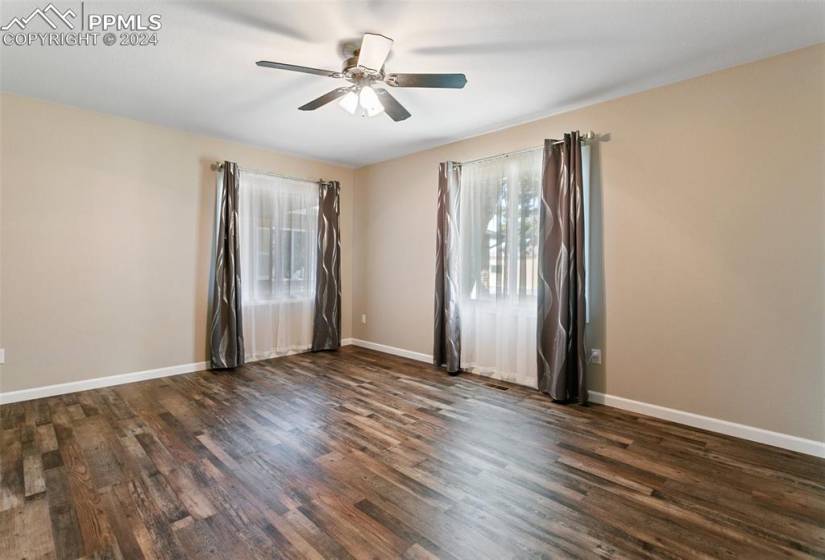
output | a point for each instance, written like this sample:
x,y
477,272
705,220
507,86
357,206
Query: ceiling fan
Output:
x,y
363,70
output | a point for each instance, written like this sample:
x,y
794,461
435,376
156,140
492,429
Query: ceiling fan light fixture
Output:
x,y
374,51
349,102
369,102
364,69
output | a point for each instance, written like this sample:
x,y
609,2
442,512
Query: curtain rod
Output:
x,y
218,165
584,139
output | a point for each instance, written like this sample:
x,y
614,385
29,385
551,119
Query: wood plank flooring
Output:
x,y
356,454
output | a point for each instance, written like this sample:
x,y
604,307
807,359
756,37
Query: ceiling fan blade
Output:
x,y
456,81
294,68
374,51
392,107
324,99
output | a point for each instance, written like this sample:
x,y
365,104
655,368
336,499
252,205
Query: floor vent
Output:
x,y
499,387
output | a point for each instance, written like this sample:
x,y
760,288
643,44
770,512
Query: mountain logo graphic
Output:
x,y
49,14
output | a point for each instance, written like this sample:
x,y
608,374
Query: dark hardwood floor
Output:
x,y
357,454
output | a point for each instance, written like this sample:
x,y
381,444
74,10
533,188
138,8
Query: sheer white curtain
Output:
x,y
498,239
278,220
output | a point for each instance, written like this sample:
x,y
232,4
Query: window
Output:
x,y
499,222
279,221
285,277
498,217
278,227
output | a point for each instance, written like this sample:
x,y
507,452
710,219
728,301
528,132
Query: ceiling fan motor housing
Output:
x,y
358,74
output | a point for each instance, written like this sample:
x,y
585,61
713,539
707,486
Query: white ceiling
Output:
x,y
523,60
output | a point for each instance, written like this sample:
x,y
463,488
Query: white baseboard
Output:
x,y
418,356
98,382
777,439
112,380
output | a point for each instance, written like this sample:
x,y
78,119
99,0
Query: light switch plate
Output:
x,y
363,318
2,355
595,356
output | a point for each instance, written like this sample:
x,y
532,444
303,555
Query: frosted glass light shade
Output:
x,y
349,102
369,102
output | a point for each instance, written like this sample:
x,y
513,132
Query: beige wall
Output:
x,y
106,237
709,242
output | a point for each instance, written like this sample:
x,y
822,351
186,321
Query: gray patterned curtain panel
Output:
x,y
447,343
561,311
226,325
326,332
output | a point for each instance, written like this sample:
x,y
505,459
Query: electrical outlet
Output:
x,y
595,356
363,318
